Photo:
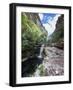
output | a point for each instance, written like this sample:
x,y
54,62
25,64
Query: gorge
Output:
x,y
41,57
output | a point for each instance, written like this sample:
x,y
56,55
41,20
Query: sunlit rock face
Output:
x,y
60,23
49,21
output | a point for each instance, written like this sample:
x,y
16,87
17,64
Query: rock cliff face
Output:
x,y
52,62
35,18
33,36
60,23
58,34
33,33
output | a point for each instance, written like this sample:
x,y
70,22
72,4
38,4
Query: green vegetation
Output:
x,y
58,35
32,36
41,70
36,57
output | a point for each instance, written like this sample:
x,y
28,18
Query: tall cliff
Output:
x,y
60,23
34,17
33,33
58,35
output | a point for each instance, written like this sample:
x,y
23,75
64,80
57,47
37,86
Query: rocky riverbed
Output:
x,y
53,63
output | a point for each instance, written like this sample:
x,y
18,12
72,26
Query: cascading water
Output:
x,y
41,50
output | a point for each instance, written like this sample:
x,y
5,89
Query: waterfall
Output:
x,y
41,50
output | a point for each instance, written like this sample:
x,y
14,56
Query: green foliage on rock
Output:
x,y
41,70
31,36
58,35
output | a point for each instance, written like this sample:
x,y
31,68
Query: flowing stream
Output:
x,y
41,50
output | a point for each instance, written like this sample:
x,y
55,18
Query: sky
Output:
x,y
49,21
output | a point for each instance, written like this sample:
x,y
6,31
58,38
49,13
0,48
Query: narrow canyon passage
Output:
x,y
42,45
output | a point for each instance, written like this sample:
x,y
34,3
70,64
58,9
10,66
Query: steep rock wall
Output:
x,y
57,38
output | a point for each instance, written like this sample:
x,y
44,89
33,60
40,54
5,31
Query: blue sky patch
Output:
x,y
47,17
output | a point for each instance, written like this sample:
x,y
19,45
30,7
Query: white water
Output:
x,y
41,50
